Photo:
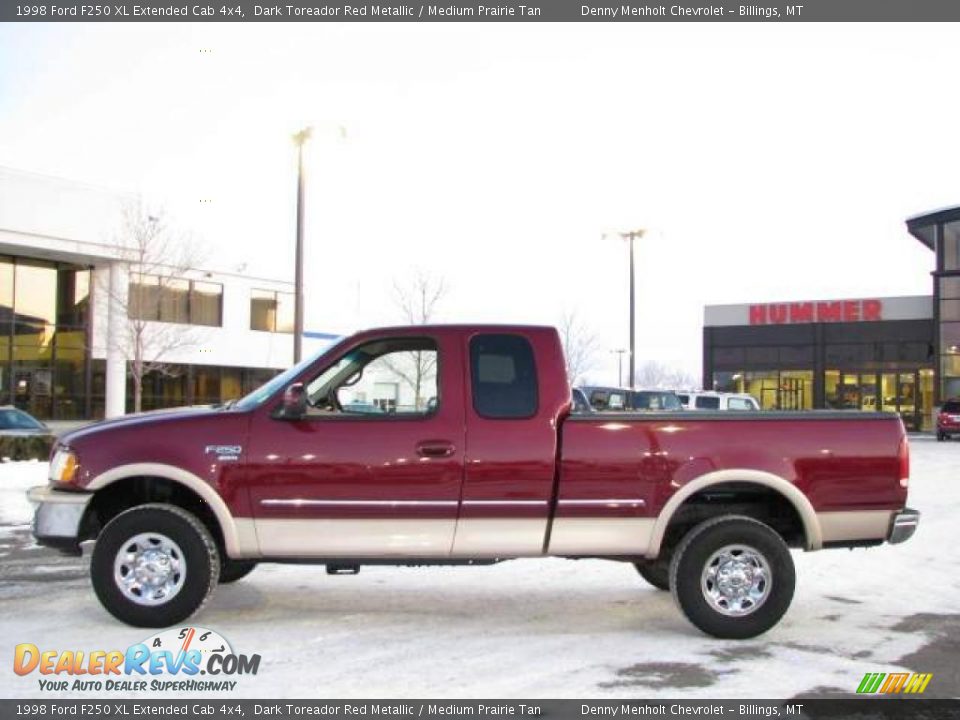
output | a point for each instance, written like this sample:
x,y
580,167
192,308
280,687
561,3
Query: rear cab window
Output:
x,y
736,403
503,377
951,406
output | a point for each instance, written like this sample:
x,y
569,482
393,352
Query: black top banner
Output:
x,y
463,11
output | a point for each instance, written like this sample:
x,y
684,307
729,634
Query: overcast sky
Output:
x,y
769,162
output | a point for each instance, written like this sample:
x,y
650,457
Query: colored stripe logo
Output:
x,y
893,683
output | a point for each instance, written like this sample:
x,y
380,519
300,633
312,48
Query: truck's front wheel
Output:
x,y
733,577
154,565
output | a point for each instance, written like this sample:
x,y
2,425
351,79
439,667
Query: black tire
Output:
x,y
698,548
233,570
198,557
941,437
657,572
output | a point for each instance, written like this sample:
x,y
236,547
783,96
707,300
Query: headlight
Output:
x,y
64,466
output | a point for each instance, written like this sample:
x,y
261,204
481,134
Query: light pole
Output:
x,y
632,235
299,139
619,352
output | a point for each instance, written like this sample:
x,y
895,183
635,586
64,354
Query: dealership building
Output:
x,y
899,354
70,294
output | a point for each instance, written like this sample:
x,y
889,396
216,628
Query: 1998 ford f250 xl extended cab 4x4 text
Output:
x,y
442,444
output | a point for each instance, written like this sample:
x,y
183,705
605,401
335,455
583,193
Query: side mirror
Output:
x,y
294,402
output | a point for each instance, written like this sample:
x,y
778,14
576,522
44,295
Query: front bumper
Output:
x,y
903,526
58,517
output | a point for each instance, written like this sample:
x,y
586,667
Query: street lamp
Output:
x,y
299,140
619,352
631,235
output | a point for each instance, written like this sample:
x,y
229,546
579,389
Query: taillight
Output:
x,y
944,416
903,457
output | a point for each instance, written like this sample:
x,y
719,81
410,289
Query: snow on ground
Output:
x,y
15,479
532,628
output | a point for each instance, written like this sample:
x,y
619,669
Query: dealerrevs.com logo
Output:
x,y
177,660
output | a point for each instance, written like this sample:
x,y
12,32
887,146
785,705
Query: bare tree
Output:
x,y
160,261
579,346
416,302
658,376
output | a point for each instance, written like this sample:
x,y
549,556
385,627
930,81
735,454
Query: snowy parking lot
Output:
x,y
530,628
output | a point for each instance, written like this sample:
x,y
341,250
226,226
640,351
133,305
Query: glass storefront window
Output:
x,y
35,285
73,296
174,303
271,311
206,303
6,289
175,300
263,310
143,300
842,390
727,381
796,390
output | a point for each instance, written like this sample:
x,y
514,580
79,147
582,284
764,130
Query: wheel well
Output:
x,y
736,498
110,501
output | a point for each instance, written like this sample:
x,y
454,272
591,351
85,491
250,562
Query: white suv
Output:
x,y
709,400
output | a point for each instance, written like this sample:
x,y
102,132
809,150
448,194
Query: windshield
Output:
x,y
268,389
13,419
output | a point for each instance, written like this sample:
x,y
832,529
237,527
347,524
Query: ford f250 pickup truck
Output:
x,y
456,444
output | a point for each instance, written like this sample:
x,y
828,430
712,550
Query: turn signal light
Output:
x,y
63,467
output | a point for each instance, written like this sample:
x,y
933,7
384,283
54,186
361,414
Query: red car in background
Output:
x,y
948,420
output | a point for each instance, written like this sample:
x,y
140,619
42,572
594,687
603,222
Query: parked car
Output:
x,y
22,436
705,504
619,399
580,402
948,420
710,400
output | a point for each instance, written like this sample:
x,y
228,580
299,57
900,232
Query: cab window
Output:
x,y
503,377
396,377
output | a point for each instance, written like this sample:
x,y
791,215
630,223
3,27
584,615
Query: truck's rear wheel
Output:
x,y
657,572
733,577
233,570
154,565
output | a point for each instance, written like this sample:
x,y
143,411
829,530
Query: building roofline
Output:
x,y
935,217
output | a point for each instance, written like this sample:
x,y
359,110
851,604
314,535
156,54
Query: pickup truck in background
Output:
x,y
476,458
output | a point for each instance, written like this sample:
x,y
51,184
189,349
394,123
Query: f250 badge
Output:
x,y
224,452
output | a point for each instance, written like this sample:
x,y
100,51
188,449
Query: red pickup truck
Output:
x,y
456,444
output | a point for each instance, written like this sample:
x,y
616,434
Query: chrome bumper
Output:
x,y
56,522
903,526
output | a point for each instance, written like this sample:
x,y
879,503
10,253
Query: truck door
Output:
x,y
511,446
375,466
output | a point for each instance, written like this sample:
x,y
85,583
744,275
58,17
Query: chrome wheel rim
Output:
x,y
736,580
149,569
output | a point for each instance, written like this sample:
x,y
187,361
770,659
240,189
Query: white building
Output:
x,y
68,289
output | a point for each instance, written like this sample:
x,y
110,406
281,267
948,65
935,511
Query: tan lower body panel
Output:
x,y
496,537
355,538
244,543
850,525
600,536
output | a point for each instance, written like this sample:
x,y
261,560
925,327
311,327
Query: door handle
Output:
x,y
435,449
